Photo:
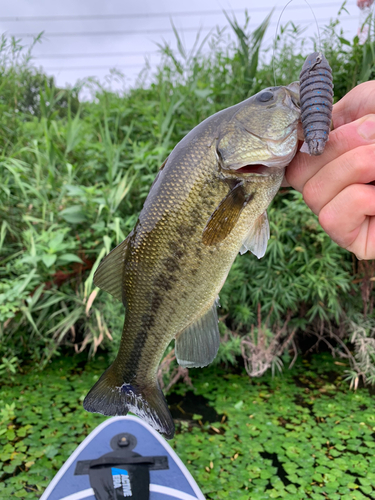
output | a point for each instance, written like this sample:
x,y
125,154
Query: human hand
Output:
x,y
338,185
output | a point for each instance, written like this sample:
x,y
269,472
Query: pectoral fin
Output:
x,y
257,238
226,215
108,276
197,346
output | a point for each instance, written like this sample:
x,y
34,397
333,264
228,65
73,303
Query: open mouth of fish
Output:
x,y
256,169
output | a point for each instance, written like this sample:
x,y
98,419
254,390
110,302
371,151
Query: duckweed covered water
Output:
x,y
301,435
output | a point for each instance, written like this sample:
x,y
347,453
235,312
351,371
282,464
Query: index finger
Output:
x,y
359,102
341,140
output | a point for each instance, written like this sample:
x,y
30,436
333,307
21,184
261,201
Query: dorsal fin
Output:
x,y
108,276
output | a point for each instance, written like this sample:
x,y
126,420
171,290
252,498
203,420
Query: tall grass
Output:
x,y
74,177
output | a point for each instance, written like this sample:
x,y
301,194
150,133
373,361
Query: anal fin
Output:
x,y
197,345
108,276
257,238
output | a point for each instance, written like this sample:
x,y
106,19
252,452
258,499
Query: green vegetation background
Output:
x,y
74,176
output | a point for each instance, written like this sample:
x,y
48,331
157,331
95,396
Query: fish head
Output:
x,y
261,136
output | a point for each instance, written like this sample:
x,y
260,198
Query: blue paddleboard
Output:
x,y
123,458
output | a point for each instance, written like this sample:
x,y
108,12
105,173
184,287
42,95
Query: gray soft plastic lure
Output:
x,y
316,97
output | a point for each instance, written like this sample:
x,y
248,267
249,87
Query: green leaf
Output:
x,y
70,257
73,214
352,486
344,41
49,259
203,93
56,241
10,434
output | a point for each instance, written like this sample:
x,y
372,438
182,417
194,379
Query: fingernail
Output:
x,y
367,128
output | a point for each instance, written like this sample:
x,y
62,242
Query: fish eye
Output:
x,y
265,96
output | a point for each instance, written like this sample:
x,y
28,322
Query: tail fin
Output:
x,y
110,396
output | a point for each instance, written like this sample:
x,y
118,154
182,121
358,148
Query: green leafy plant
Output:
x,y
75,176
302,435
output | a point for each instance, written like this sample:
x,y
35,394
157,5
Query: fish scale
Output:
x,y
200,212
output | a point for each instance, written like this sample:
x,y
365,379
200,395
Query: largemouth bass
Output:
x,y
207,203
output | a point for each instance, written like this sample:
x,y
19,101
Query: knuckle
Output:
x,y
326,221
360,163
360,256
338,136
311,193
347,164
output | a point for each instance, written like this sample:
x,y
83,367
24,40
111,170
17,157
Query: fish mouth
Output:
x,y
257,169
